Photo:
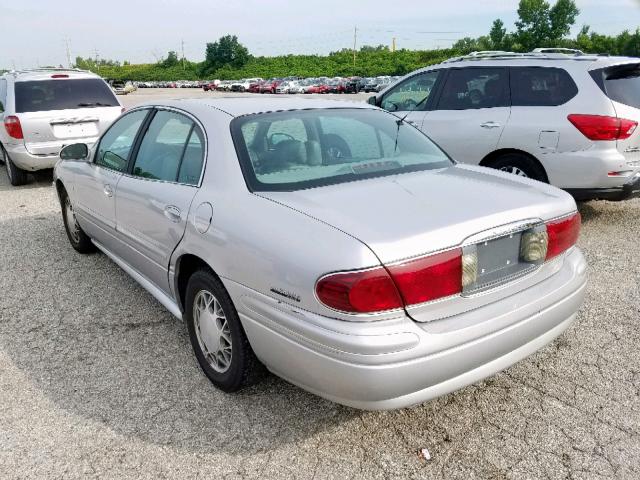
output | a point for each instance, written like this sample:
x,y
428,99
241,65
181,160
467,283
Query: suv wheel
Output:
x,y
16,175
521,165
217,337
79,240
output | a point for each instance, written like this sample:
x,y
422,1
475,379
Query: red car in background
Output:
x,y
209,87
269,86
319,88
255,87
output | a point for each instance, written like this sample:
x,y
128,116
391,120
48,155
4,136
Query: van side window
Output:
x,y
3,94
541,87
471,88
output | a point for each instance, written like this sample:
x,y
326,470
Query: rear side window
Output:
x,y
170,150
471,88
63,94
541,87
622,84
3,94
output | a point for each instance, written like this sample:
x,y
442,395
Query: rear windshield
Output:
x,y
299,149
63,94
622,84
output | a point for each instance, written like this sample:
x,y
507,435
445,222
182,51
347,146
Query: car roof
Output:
x,y
46,74
243,105
589,62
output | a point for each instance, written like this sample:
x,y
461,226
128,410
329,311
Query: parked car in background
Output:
x,y
44,109
122,88
336,86
210,86
402,287
566,119
288,86
255,87
243,85
317,87
270,86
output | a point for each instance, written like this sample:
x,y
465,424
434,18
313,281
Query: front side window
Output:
x,y
412,94
471,88
63,94
541,87
328,146
115,146
168,142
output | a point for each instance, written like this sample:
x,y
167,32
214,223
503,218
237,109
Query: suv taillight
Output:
x,y
13,127
600,127
563,234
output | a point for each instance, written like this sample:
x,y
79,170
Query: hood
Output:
x,y
411,214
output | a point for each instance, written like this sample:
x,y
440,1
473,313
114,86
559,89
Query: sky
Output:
x,y
37,32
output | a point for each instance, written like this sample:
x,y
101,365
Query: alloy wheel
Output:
x,y
72,222
514,170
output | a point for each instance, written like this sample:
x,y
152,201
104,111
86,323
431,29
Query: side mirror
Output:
x,y
373,100
75,151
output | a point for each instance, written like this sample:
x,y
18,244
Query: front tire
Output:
x,y
217,337
79,240
16,175
521,165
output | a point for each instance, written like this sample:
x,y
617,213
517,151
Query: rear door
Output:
x,y
63,110
154,197
622,85
412,97
471,112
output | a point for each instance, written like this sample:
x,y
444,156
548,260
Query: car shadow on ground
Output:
x,y
38,179
100,347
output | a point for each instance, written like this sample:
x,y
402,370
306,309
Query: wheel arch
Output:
x,y
493,156
186,265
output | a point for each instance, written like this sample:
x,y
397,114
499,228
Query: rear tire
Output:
x,y
80,241
521,165
16,175
217,337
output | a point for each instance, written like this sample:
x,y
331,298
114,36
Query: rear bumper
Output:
x,y
31,162
398,363
24,160
631,189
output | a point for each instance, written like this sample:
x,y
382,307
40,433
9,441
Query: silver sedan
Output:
x,y
331,242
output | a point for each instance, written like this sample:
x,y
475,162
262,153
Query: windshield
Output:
x,y
63,94
298,149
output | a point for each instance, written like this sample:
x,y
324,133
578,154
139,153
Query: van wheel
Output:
x,y
217,337
80,241
521,165
16,175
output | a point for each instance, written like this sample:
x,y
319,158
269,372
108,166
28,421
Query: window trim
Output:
x,y
94,161
142,132
505,69
3,101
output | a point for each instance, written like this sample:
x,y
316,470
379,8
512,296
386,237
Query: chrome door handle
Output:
x,y
172,213
490,125
108,190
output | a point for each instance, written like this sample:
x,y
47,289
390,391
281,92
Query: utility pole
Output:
x,y
95,50
182,44
355,41
393,44
66,42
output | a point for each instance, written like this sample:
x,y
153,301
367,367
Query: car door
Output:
x,y
153,198
471,112
95,182
412,97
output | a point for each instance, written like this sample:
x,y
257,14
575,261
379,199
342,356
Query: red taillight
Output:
x,y
13,127
59,75
359,292
379,289
429,278
599,127
563,234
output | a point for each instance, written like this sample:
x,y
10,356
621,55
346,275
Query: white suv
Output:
x,y
566,119
43,110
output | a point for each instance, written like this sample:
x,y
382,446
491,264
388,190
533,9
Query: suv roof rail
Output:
x,y
47,69
538,53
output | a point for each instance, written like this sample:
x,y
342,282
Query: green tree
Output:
x,y
171,60
497,34
540,25
561,17
226,52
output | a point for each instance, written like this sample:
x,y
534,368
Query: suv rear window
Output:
x,y
63,94
622,84
541,87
